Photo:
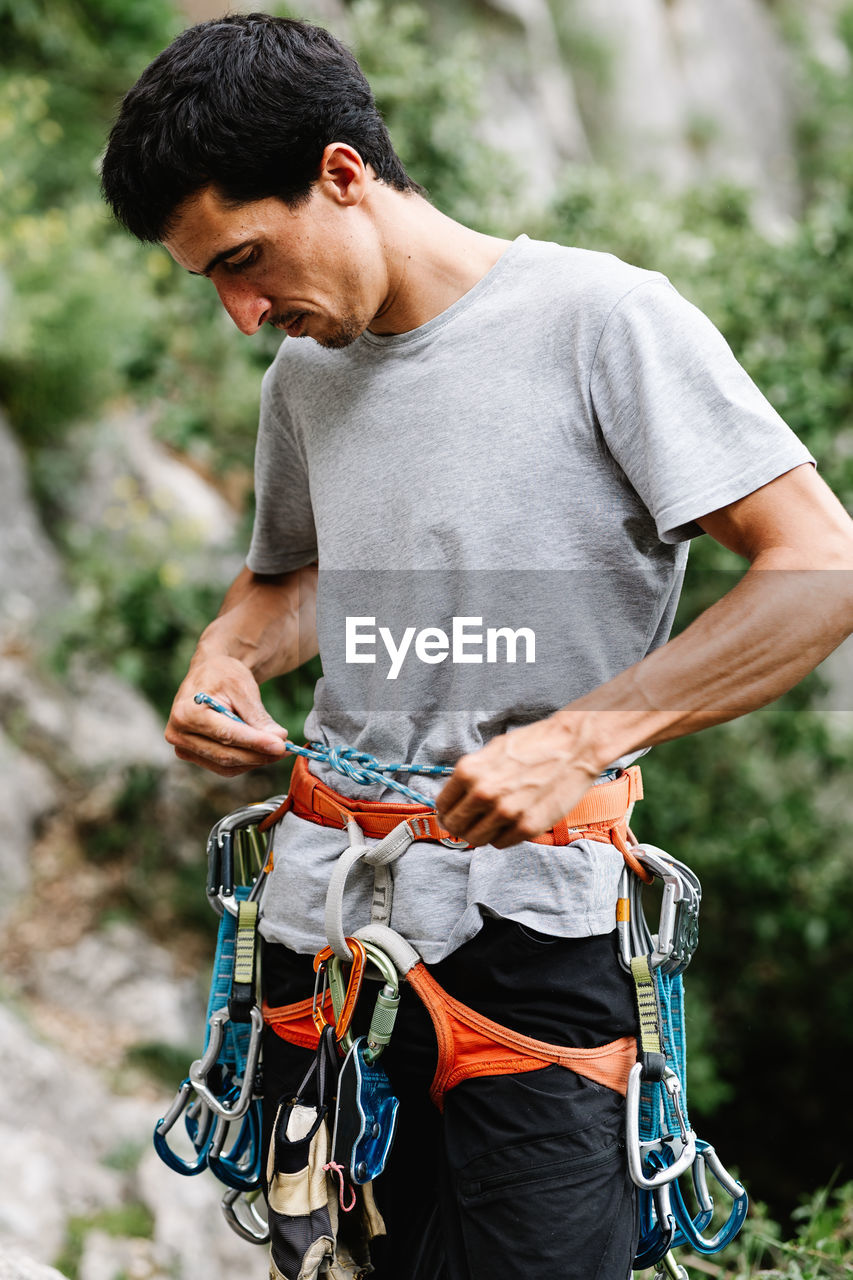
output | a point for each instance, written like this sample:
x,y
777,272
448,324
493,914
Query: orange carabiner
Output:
x,y
343,1004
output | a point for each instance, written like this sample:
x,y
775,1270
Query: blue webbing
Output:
x,y
658,1118
235,1043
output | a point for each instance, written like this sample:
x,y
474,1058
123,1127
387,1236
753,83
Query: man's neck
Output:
x,y
432,261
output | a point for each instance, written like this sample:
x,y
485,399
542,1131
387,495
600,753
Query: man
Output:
x,y
481,432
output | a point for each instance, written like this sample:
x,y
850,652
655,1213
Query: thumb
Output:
x,y
259,718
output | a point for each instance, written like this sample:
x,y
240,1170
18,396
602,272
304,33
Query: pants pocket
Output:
x,y
550,1195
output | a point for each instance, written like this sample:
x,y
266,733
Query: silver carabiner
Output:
x,y
250,1225
637,1149
677,935
221,854
201,1068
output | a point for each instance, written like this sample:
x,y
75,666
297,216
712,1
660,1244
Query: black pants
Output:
x,y
522,1175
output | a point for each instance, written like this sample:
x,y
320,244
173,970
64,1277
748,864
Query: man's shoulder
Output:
x,y
587,276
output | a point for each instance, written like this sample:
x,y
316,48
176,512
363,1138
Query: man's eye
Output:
x,y
238,264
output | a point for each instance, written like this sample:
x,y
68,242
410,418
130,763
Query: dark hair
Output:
x,y
247,103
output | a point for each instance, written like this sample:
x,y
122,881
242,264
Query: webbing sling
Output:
x,y
652,1053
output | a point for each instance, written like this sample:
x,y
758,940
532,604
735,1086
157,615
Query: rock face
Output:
x,y
82,1154
30,569
27,793
699,89
135,488
17,1265
80,1179
680,90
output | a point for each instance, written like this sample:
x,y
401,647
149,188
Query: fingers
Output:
x,y
215,740
514,789
500,821
222,754
481,805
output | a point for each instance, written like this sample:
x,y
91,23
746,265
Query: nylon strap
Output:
x,y
652,1054
242,996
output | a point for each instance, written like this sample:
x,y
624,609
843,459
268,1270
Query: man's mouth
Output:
x,y
293,327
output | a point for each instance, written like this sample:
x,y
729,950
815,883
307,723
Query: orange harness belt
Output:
x,y
602,814
470,1045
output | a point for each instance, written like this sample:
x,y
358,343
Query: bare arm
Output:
x,y
266,626
793,606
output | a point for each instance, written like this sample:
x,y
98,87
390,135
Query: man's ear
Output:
x,y
343,173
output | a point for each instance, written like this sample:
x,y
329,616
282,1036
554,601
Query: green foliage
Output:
x,y
431,103
162,1062
133,1219
141,622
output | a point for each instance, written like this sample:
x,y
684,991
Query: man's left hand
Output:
x,y
516,787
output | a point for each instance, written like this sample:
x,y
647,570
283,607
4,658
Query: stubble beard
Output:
x,y
345,333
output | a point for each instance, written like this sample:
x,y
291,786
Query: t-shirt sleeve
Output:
x,y
283,536
684,421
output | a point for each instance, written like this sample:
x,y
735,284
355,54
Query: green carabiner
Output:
x,y
387,1003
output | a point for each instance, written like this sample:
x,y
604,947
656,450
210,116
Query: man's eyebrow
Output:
x,y
221,256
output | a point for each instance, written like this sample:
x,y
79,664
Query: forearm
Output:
x,y
266,626
266,622
755,643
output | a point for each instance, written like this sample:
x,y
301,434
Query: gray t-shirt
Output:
x,y
500,502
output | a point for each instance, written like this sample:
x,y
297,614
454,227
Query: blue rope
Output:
x,y
657,1113
366,769
360,765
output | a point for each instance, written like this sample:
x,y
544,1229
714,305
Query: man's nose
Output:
x,y
246,306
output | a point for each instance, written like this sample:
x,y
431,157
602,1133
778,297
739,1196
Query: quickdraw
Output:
x,y
220,1097
661,1146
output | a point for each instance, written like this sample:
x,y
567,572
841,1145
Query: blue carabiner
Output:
x,y
240,1166
690,1229
657,1221
200,1135
657,1231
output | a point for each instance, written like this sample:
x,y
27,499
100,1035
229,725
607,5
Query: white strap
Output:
x,y
397,949
381,856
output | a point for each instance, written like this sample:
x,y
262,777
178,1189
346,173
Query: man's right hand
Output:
x,y
216,742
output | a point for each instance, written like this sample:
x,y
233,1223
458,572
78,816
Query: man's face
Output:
x,y
313,271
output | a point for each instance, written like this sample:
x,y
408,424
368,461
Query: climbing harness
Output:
x,y
469,1044
335,1136
661,1145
